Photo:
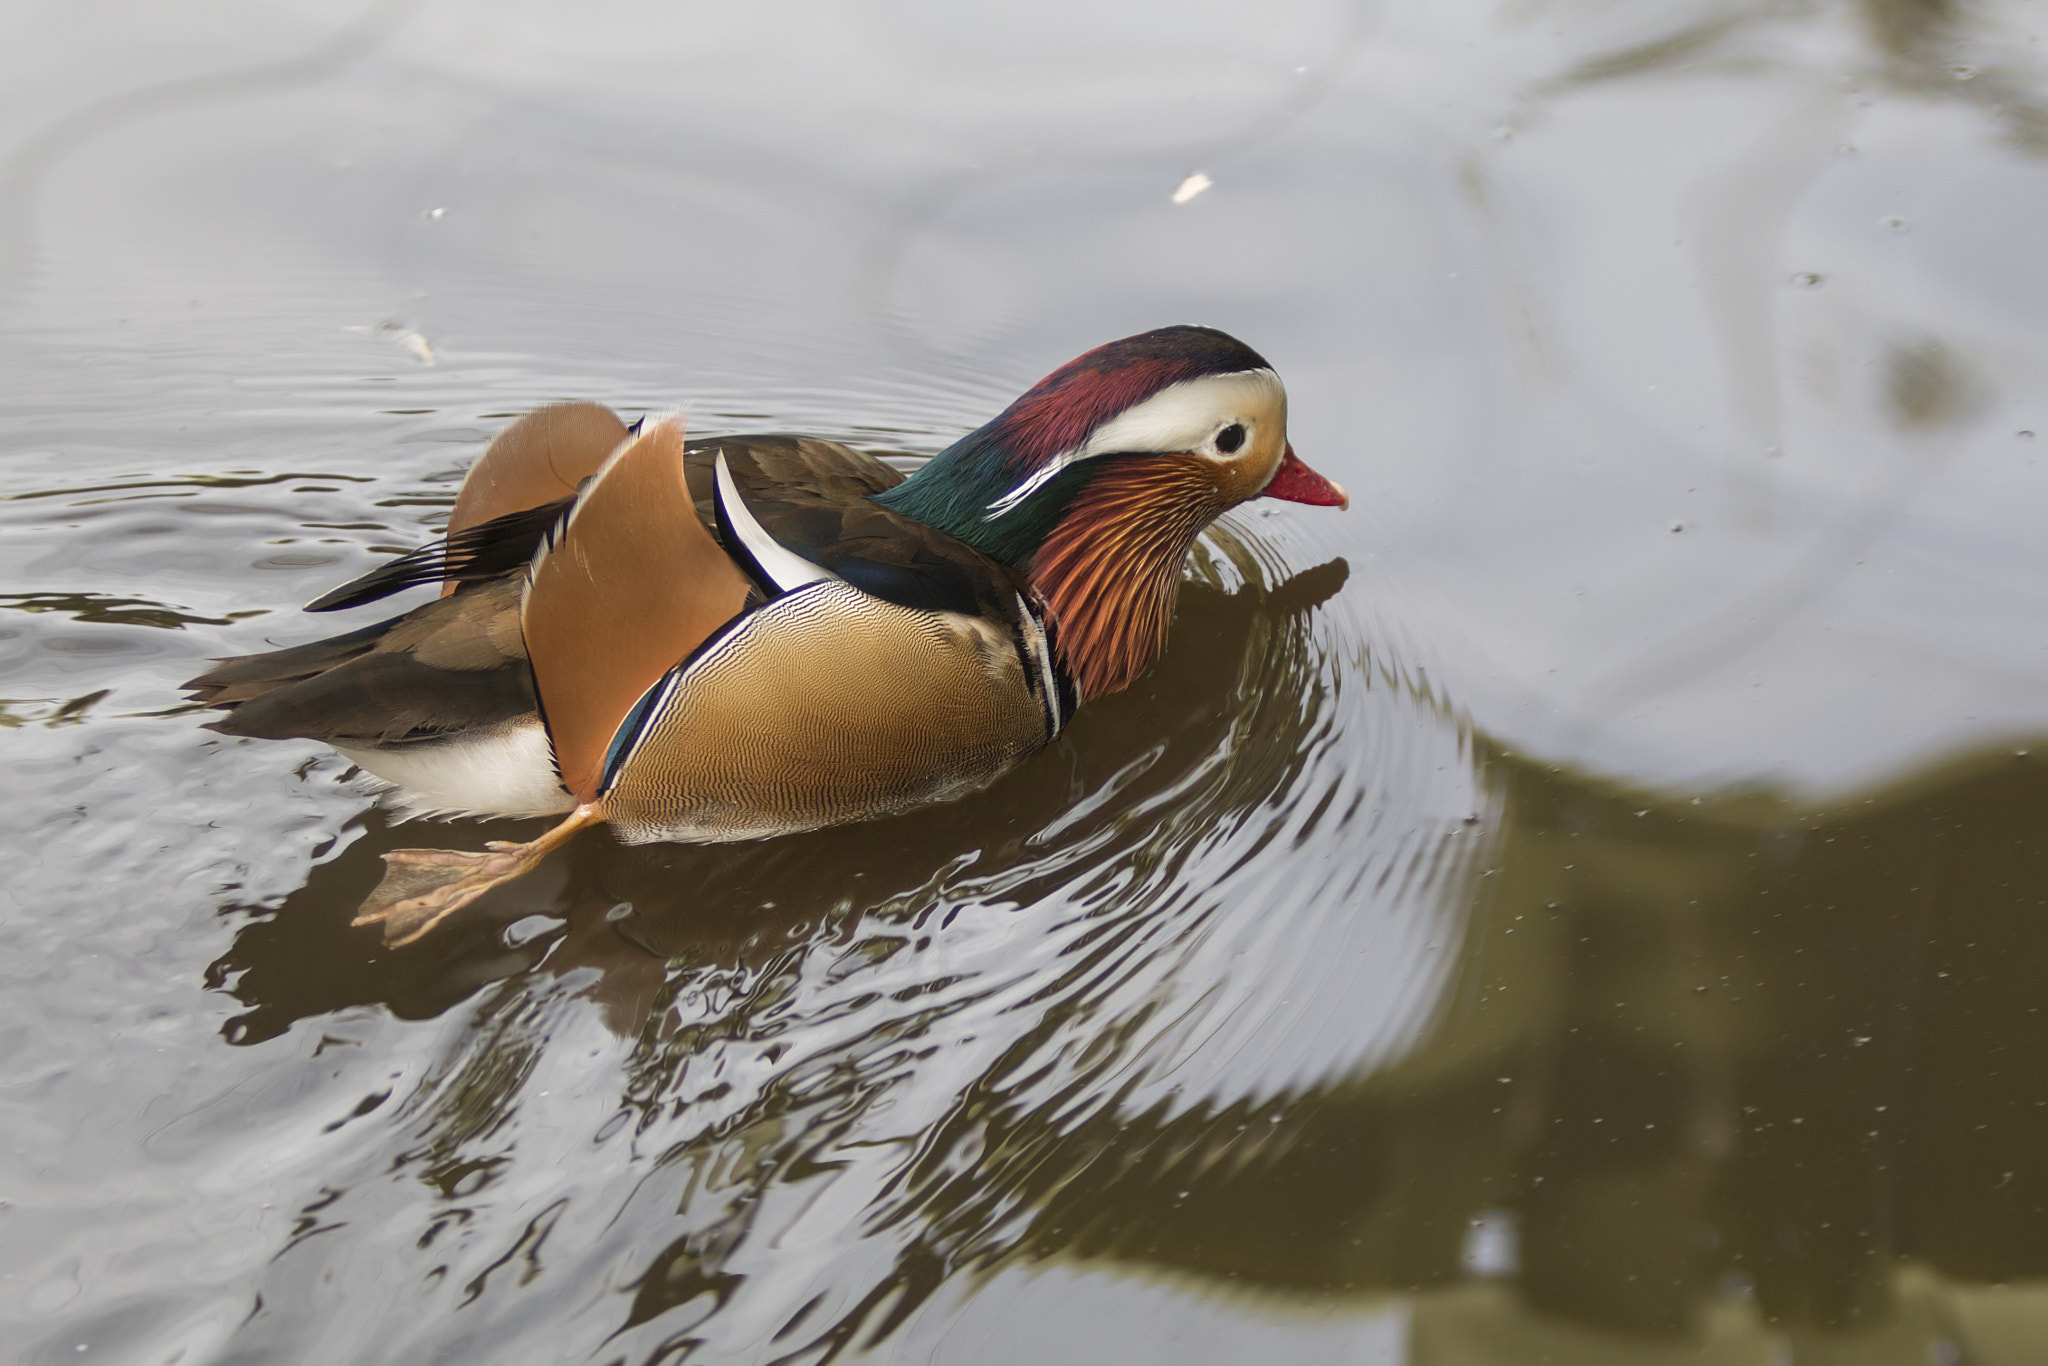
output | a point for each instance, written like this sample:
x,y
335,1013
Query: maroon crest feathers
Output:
x,y
1057,413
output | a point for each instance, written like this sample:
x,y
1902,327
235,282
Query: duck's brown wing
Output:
x,y
816,499
826,471
454,665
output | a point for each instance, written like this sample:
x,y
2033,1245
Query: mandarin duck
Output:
x,y
731,638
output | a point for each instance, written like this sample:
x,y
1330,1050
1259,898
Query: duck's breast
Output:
x,y
823,706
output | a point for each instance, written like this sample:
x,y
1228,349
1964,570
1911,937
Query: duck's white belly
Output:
x,y
506,772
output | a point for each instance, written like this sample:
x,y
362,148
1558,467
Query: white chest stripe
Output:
x,y
1040,650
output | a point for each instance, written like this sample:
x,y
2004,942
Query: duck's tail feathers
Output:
x,y
482,552
231,682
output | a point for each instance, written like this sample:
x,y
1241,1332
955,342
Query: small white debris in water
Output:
x,y
410,338
1191,187
1895,223
1807,279
436,213
1678,526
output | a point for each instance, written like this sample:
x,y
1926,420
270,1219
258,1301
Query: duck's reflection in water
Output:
x,y
813,1003
1240,668
1695,1059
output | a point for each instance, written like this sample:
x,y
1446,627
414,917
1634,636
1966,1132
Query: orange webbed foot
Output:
x,y
423,887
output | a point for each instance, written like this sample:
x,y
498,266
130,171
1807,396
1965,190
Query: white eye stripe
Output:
x,y
1186,415
1182,417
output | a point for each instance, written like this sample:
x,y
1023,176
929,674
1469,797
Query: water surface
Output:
x,y
1585,904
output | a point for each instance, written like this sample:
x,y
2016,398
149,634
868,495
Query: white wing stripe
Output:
x,y
787,570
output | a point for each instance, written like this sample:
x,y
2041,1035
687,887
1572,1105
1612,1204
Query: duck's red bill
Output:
x,y
1297,483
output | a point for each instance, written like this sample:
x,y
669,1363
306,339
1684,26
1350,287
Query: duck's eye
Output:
x,y
1230,438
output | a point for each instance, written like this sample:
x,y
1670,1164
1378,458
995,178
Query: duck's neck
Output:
x,y
1102,543
962,491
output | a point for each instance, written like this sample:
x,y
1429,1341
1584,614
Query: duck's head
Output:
x,y
1098,479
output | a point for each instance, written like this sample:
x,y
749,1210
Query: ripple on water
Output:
x,y
829,1059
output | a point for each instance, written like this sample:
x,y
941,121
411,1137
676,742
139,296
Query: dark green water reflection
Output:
x,y
1696,1051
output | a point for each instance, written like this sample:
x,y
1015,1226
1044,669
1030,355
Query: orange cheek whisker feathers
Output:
x,y
1110,571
